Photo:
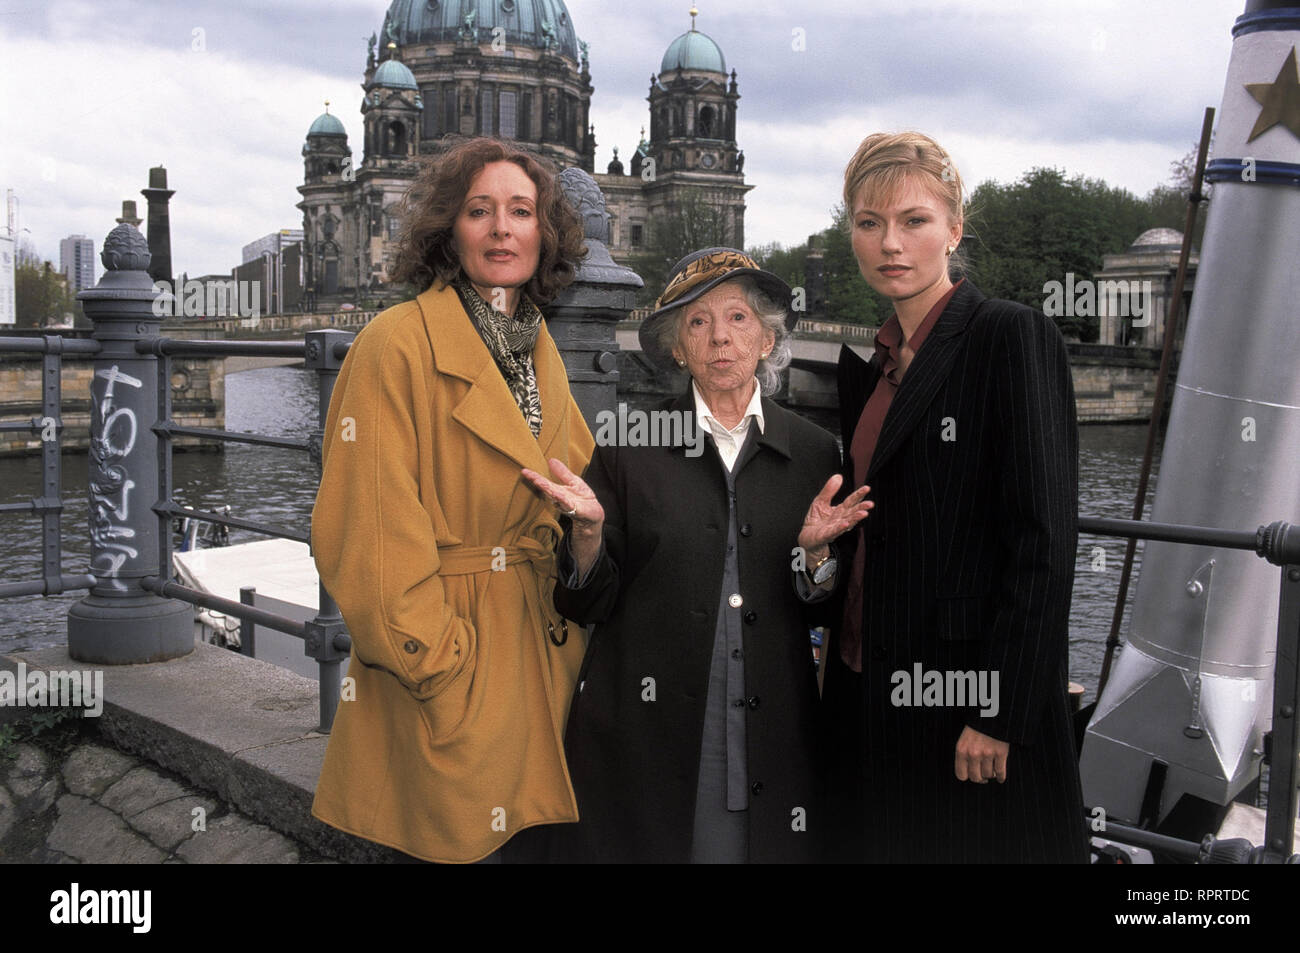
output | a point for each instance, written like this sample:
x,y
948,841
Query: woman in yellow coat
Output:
x,y
440,556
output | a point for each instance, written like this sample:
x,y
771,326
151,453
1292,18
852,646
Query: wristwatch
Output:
x,y
822,570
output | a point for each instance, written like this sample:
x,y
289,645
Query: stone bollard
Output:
x,y
583,319
119,622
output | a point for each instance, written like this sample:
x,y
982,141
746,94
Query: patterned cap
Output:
x,y
695,275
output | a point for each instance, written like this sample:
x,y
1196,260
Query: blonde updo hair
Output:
x,y
885,161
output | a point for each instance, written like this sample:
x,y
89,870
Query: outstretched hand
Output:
x,y
571,494
825,522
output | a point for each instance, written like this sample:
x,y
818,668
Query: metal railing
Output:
x,y
48,428
325,636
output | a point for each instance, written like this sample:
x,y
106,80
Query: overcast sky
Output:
x,y
94,92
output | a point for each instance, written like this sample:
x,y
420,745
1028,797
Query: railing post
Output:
x,y
1279,824
326,638
583,319
119,622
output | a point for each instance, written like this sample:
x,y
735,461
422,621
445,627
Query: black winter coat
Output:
x,y
654,597
970,563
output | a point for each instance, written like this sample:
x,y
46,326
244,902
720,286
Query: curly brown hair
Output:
x,y
429,209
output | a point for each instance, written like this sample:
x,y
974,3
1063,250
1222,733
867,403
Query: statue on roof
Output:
x,y
582,45
548,31
370,51
467,29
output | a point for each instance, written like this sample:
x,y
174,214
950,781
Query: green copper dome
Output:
x,y
394,74
535,24
327,125
693,50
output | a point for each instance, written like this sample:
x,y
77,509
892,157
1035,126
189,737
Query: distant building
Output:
x,y
77,262
1134,288
440,72
279,279
8,258
271,244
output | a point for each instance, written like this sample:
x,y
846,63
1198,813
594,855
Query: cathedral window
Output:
x,y
429,115
526,115
507,127
706,127
638,235
396,140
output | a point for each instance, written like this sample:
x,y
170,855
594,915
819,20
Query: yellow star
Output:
x,y
1280,100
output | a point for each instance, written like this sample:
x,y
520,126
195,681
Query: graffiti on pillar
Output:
x,y
114,430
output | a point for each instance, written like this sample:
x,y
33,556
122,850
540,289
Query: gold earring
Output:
x,y
948,250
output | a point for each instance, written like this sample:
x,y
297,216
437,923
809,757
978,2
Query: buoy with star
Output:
x,y
1179,727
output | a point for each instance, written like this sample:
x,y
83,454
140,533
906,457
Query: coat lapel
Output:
x,y
775,436
459,351
926,374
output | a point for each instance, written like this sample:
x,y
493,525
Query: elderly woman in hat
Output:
x,y
693,734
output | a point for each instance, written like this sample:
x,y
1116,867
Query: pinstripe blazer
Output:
x,y
970,565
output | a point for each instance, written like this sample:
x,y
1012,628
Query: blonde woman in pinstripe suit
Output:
x,y
946,681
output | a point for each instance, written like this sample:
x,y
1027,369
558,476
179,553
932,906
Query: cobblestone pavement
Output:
x,y
100,806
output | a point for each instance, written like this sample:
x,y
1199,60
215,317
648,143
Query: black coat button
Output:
x,y
738,703
751,616
878,653
735,653
754,702
756,787
746,529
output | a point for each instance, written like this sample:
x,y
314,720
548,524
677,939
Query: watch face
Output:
x,y
708,160
824,571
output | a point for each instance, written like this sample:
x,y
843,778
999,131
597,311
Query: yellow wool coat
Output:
x,y
441,558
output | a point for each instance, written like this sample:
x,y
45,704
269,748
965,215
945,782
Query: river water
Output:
x,y
279,486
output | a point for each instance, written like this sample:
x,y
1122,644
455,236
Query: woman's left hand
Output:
x,y
825,522
980,758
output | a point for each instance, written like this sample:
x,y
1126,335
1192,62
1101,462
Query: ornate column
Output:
x,y
583,319
160,229
119,622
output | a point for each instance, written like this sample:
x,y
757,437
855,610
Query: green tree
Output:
x,y
1168,203
41,294
1021,236
690,224
786,263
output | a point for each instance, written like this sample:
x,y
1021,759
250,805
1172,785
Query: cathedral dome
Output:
x,y
534,24
693,50
327,125
394,74
1158,238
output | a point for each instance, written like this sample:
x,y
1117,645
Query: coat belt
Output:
x,y
471,560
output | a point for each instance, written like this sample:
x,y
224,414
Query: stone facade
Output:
x,y
516,70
